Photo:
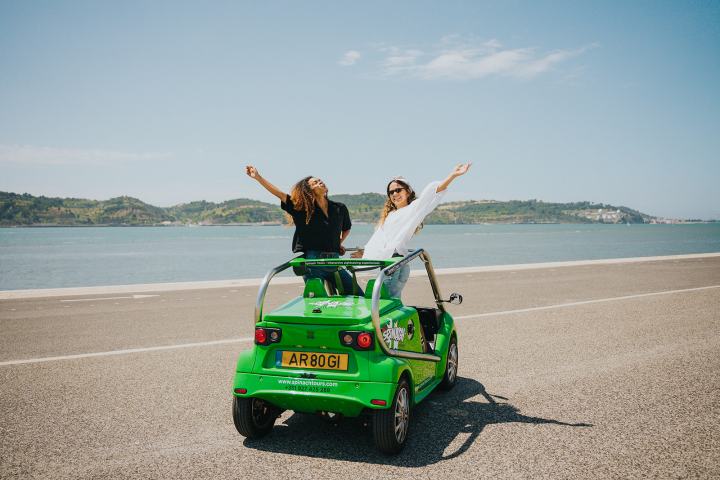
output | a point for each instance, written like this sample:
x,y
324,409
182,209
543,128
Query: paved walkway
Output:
x,y
567,371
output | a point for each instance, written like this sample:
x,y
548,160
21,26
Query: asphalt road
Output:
x,y
599,371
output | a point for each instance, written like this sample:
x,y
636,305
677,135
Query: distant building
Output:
x,y
601,215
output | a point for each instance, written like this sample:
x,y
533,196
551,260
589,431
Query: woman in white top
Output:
x,y
401,218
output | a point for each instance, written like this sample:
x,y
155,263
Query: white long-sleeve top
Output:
x,y
399,226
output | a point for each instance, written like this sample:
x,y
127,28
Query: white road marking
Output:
x,y
247,339
134,297
123,352
585,302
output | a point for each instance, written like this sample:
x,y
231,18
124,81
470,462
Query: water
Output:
x,y
88,256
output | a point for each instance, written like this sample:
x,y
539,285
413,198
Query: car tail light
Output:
x,y
260,336
379,403
265,336
241,391
364,340
357,340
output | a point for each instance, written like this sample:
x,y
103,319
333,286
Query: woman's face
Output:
x,y
317,186
398,194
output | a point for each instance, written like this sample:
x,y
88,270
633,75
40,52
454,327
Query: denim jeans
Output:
x,y
329,273
396,283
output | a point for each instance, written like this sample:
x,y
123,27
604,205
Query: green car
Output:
x,y
346,354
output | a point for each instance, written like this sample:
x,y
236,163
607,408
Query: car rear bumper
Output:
x,y
310,395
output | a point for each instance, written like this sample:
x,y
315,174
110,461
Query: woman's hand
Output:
x,y
252,172
357,253
461,169
457,171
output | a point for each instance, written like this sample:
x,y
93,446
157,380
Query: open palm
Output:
x,y
461,169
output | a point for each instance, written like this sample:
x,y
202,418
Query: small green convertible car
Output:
x,y
345,354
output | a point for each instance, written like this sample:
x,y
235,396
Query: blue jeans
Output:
x,y
396,283
329,273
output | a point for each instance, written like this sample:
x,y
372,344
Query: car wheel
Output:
x,y
451,366
390,426
254,418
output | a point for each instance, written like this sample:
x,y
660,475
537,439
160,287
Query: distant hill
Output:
x,y
534,211
365,207
28,210
241,210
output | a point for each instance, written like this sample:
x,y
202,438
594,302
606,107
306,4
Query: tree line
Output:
x,y
26,210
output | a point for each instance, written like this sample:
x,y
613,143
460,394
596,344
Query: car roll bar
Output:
x,y
375,305
264,286
375,309
299,261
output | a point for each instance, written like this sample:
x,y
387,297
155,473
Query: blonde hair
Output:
x,y
390,206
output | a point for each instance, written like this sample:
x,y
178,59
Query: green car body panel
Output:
x,y
312,324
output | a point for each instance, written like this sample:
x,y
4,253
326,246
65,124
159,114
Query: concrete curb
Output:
x,y
250,282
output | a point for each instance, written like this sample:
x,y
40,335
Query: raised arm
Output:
x,y
253,173
457,171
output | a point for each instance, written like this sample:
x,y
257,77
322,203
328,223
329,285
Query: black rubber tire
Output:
x,y
390,436
451,366
254,418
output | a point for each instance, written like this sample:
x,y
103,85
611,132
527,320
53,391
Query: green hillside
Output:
x,y
365,207
241,210
533,211
27,210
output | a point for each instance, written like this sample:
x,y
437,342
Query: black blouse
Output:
x,y
322,233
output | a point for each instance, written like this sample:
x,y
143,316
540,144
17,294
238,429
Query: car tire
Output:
x,y
391,425
451,366
254,418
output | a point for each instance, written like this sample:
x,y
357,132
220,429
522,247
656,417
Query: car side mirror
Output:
x,y
455,299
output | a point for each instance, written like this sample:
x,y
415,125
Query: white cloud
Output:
x,y
460,58
398,61
33,155
547,62
349,58
493,44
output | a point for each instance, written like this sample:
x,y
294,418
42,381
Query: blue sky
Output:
x,y
614,102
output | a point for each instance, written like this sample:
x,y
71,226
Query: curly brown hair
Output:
x,y
390,206
303,199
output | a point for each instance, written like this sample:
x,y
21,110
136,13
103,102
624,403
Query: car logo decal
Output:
x,y
332,303
392,334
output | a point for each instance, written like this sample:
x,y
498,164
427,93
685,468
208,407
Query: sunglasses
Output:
x,y
397,190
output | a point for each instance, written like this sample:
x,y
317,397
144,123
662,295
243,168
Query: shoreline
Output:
x,y
250,282
276,224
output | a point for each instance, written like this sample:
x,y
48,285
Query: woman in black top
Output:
x,y
321,225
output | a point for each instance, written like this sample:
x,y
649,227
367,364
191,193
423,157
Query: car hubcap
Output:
x,y
452,362
402,415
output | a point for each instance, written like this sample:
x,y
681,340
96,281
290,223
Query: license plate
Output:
x,y
325,361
